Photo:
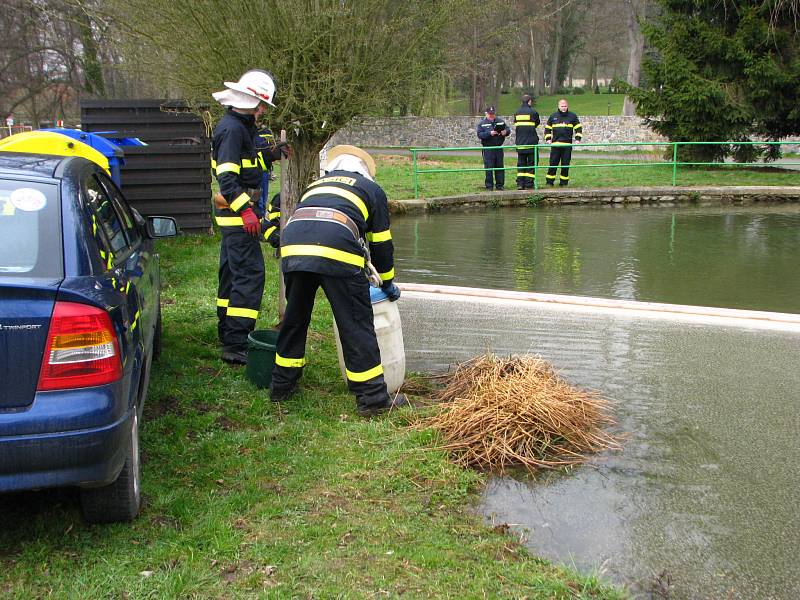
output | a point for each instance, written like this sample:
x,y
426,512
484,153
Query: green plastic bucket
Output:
x,y
261,356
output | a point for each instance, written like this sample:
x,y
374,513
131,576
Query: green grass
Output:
x,y
581,104
244,498
395,174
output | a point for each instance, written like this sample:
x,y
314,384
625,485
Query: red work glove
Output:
x,y
250,222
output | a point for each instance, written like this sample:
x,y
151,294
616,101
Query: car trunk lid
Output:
x,y
25,311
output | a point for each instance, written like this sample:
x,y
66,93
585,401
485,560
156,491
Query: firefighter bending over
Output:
x,y
324,245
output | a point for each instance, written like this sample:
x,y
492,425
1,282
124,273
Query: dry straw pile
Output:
x,y
496,413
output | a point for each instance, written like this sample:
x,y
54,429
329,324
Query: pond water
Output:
x,y
703,501
737,257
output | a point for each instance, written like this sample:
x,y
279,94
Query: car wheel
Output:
x,y
157,336
121,500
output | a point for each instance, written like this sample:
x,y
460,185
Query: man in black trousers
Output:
x,y
492,132
324,245
526,120
559,131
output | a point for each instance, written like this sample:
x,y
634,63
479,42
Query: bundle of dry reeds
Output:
x,y
496,413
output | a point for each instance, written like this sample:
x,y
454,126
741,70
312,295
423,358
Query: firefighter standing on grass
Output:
x,y
526,120
558,132
492,132
238,169
324,245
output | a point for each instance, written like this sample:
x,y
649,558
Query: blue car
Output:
x,y
80,324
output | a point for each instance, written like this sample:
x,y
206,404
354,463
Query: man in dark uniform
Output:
x,y
237,167
492,132
526,120
323,245
558,132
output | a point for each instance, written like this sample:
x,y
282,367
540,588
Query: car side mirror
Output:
x,y
161,227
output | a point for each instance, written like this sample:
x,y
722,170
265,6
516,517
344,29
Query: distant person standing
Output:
x,y
526,120
492,132
558,132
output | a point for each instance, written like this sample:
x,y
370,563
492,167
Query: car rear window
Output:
x,y
30,230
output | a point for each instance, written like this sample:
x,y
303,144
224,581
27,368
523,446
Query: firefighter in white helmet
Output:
x,y
238,171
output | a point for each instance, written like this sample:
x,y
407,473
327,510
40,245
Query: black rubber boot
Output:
x,y
373,411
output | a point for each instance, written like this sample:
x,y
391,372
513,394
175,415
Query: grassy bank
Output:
x,y
248,499
395,174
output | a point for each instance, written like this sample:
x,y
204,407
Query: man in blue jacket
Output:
x,y
492,132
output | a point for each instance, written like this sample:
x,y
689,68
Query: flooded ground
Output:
x,y
705,494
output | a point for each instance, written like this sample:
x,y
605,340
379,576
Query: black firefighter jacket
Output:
x,y
560,127
526,120
329,248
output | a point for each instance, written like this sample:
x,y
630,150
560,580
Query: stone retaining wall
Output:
x,y
664,196
460,132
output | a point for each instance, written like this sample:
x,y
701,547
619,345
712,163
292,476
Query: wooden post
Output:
x,y
284,217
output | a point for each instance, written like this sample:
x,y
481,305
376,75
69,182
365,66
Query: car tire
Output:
x,y
157,336
121,500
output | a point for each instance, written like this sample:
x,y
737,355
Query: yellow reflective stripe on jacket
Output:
x,y
570,125
274,215
560,144
222,302
364,375
249,164
228,168
338,179
324,189
229,221
529,124
379,236
240,201
324,252
387,276
135,320
294,363
268,232
247,313
522,118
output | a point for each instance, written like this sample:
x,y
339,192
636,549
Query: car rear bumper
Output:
x,y
92,453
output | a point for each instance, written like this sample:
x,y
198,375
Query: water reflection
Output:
x,y
737,257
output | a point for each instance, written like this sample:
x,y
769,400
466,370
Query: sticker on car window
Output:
x,y
28,199
6,208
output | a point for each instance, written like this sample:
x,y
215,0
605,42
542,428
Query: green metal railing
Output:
x,y
674,163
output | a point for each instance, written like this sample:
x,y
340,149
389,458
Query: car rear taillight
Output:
x,y
82,349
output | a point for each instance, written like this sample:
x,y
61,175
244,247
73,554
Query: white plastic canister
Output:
x,y
389,331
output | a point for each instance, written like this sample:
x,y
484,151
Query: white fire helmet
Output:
x,y
253,87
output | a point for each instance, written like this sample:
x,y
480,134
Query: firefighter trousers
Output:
x,y
493,159
562,155
349,298
525,171
241,285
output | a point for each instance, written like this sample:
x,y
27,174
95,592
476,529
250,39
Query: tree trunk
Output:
x,y
296,174
92,68
635,10
473,97
555,59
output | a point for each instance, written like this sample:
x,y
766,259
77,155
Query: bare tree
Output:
x,y
332,60
634,13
